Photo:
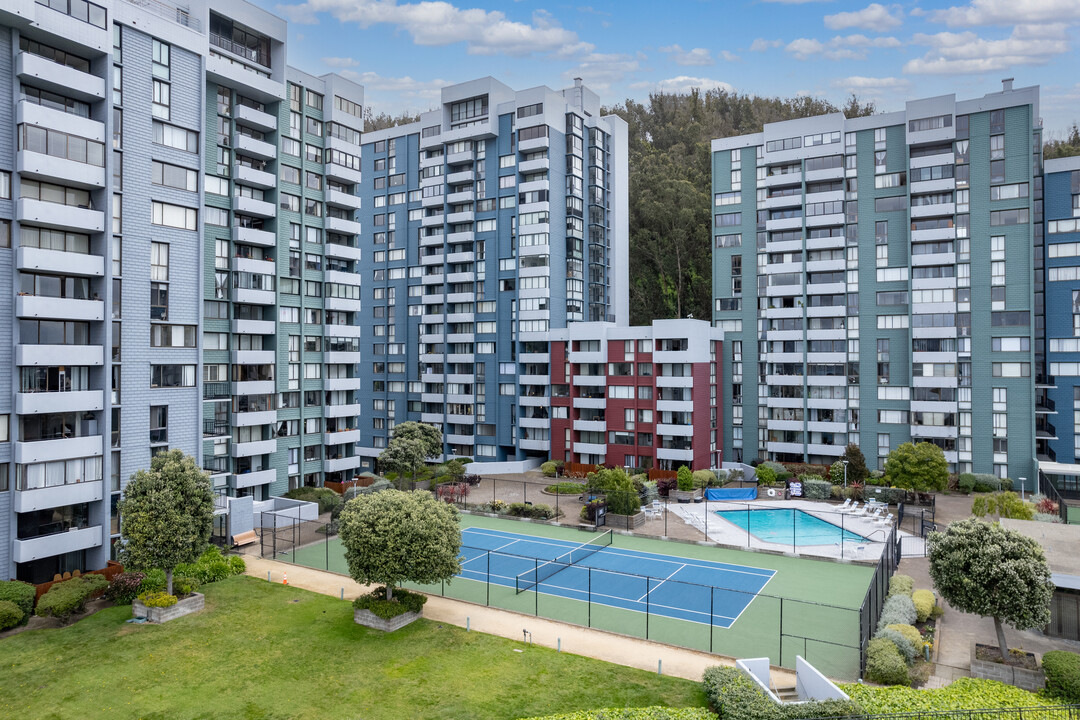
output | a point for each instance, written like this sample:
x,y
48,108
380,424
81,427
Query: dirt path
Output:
x,y
596,644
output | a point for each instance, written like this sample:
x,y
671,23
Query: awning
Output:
x,y
1061,580
1056,468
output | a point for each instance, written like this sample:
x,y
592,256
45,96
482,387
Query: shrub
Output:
x,y
664,486
735,475
1002,504
20,593
237,566
1062,675
901,585
984,482
566,488
403,602
183,585
153,582
10,614
816,488
704,478
961,694
887,495
836,473
885,664
538,511
898,610
64,599
125,587
1044,517
910,634
1046,506
877,477
210,567
782,473
588,510
651,491
966,483
736,696
924,604
158,599
766,476
549,469
685,479
903,645
643,713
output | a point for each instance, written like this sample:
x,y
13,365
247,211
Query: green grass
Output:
x,y
820,607
262,650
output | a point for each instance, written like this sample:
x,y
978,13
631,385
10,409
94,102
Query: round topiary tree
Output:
x,y
166,515
920,467
984,569
685,478
411,445
393,537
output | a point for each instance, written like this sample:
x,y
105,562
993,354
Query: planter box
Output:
x,y
625,522
192,603
685,496
1031,680
371,620
422,485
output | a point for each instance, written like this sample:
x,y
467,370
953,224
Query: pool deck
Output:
x,y
703,515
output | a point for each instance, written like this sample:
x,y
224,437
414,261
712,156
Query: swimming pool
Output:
x,y
788,526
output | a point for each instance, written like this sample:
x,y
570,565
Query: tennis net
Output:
x,y
531,578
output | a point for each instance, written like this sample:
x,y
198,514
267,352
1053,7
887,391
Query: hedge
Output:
x,y
403,602
885,664
548,469
736,696
125,587
20,593
645,713
924,604
10,614
328,500
1062,675
64,599
816,489
898,610
211,567
704,478
903,646
901,585
962,694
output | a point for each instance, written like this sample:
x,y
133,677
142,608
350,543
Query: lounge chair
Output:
x,y
845,507
875,514
854,509
886,520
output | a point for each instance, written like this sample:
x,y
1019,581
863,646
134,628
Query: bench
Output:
x,y
244,538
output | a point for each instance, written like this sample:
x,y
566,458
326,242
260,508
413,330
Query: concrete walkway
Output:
x,y
596,644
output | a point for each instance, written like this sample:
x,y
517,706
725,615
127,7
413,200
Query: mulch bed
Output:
x,y
44,623
990,653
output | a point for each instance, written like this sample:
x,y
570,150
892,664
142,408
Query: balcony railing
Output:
x,y
215,390
214,465
256,56
215,428
176,14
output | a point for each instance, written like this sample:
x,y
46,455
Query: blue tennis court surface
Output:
x,y
681,588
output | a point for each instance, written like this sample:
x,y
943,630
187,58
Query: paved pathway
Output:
x,y
597,644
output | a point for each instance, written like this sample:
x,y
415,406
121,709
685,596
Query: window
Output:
x,y
172,376
161,99
174,216
348,106
314,100
159,261
173,176
174,336
61,145
159,424
176,137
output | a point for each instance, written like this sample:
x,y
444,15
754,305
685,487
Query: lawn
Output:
x,y
267,651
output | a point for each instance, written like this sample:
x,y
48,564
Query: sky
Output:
x,y
404,51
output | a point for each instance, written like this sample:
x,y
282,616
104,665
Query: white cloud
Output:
x,y
697,56
340,62
402,87
729,56
873,87
1009,12
841,47
601,70
683,84
874,17
435,23
761,44
966,52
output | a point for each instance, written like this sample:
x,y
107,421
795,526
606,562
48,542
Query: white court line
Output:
x,y
659,583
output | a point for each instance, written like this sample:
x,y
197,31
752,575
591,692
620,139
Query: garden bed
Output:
x,y
625,522
1026,673
564,488
184,606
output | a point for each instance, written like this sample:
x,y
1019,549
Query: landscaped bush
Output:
x,y
798,469
898,610
984,482
733,475
816,488
684,479
328,500
901,585
782,473
766,476
403,602
153,582
183,585
650,491
966,483
158,599
924,604
731,692
704,478
903,646
1046,518
664,486
566,488
887,495
64,599
645,713
124,587
548,469
962,694
210,567
1003,504
10,614
910,634
538,511
885,664
589,510
20,593
237,565
1062,675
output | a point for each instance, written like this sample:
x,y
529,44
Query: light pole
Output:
x,y
845,474
1023,481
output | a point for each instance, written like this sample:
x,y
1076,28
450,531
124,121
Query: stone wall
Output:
x,y
1031,680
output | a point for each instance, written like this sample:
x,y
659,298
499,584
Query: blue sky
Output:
x,y
403,51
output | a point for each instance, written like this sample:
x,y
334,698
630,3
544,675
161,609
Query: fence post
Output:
x,y
647,591
843,535
487,600
589,599
712,631
780,660
536,588
326,541
705,492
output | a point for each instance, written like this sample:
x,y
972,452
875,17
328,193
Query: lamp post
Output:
x,y
1023,481
845,474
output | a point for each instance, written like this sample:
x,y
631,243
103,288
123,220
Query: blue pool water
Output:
x,y
788,526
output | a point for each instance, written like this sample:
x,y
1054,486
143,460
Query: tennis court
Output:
x,y
694,590
716,599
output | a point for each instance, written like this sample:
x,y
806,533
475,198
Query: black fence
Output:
x,y
870,612
1052,712
1050,490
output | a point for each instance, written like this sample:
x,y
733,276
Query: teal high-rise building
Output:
x,y
878,280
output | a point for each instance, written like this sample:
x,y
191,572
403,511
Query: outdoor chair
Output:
x,y
886,520
853,508
845,507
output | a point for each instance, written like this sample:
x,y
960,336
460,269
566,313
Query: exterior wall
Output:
x,y
835,237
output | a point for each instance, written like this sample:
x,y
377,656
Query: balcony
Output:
x,y
38,306
342,357
341,225
250,449
58,543
337,411
34,259
51,355
251,206
249,116
252,265
345,463
342,252
216,465
341,437
216,391
252,357
253,236
460,217
344,174
462,176
58,78
343,331
253,327
460,197
60,217
59,449
252,478
248,296
256,178
235,74
255,148
43,498
34,403
215,428
342,199
57,169
253,387
342,304
354,383
250,419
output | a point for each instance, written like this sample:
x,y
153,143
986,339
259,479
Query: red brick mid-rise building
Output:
x,y
641,396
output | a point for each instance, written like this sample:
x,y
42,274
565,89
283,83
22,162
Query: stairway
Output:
x,y
786,694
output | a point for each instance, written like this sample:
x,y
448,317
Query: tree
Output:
x,y
1068,147
982,568
920,467
166,515
857,471
393,537
382,121
411,444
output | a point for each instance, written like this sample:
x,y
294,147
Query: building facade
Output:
x,y
496,218
641,397
1058,435
177,229
878,280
